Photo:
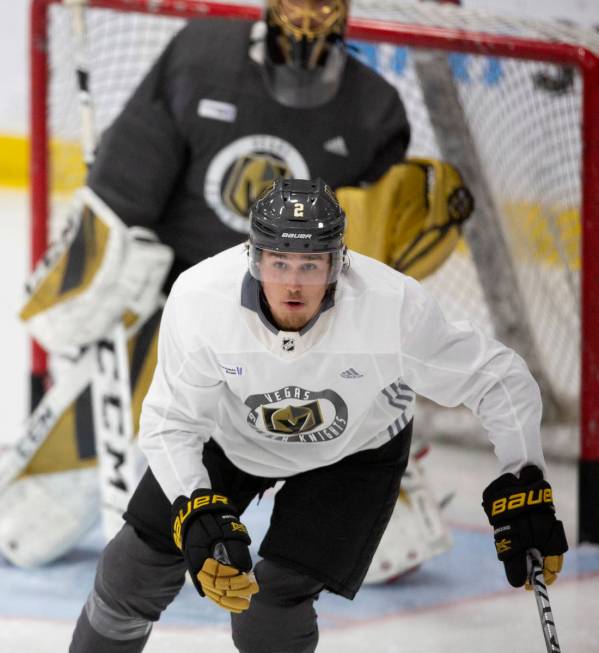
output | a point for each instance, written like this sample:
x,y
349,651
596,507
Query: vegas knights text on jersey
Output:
x,y
280,403
201,138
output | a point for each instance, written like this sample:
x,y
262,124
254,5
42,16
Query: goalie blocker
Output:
x,y
98,272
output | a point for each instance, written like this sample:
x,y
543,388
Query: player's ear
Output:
x,y
346,261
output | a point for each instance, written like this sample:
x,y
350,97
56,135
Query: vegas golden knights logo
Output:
x,y
292,419
250,176
243,169
295,414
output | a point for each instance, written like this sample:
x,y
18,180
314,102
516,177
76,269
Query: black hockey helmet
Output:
x,y
305,50
297,216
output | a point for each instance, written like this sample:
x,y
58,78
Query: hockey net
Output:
x,y
513,103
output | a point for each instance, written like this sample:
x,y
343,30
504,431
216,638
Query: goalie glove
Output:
x,y
522,514
411,218
215,545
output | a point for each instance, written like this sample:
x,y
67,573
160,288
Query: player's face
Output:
x,y
294,286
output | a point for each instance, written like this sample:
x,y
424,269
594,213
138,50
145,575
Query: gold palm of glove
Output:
x,y
411,218
226,586
552,565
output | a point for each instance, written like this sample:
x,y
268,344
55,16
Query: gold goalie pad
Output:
x,y
411,218
416,531
96,272
51,471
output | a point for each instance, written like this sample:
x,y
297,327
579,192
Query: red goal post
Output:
x,y
450,30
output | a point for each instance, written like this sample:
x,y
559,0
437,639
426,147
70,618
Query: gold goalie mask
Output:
x,y
305,51
411,218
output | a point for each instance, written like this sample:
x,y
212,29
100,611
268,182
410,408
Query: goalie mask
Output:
x,y
297,217
305,53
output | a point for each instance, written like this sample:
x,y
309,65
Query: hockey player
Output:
x,y
200,138
252,386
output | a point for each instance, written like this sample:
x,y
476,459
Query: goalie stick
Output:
x,y
110,382
536,579
111,395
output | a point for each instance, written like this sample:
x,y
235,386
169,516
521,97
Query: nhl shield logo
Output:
x,y
288,344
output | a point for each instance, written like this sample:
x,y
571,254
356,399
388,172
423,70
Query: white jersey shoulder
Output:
x,y
216,278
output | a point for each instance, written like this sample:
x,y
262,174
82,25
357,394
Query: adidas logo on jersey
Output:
x,y
351,373
336,146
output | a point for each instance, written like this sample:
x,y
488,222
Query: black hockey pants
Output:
x,y
135,583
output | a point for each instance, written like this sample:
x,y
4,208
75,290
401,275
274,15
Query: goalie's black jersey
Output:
x,y
201,137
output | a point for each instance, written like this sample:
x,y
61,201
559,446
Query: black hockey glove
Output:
x,y
522,514
215,543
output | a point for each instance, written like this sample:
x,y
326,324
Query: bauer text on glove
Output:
x,y
522,514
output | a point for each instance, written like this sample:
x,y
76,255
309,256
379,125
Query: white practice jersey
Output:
x,y
280,403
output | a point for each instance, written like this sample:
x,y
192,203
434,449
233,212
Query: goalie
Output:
x,y
199,140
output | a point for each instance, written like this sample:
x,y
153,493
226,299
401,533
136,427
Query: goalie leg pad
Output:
x,y
281,616
49,494
43,516
51,471
416,531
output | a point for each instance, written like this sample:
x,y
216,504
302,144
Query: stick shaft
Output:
x,y
88,137
537,580
111,380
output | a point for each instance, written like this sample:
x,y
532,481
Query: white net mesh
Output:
x,y
452,17
528,140
524,117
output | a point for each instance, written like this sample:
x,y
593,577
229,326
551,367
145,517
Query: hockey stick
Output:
x,y
534,563
111,392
